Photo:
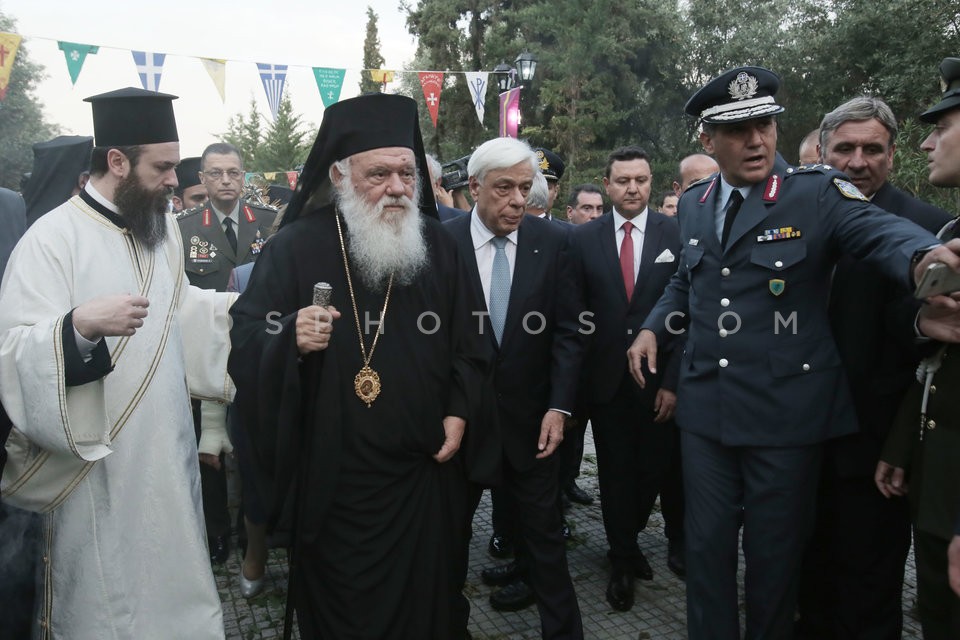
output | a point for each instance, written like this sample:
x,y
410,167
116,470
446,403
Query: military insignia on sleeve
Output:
x,y
777,286
849,190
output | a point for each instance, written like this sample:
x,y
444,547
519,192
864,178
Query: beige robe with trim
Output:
x,y
113,463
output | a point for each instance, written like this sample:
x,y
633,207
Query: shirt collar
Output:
x,y
233,215
99,197
726,189
481,234
639,221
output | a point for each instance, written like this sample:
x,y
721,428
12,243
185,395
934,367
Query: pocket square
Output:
x,y
666,256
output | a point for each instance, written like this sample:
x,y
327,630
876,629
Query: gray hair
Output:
x,y
859,109
539,195
500,153
436,169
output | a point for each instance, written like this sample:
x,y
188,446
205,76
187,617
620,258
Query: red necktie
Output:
x,y
626,259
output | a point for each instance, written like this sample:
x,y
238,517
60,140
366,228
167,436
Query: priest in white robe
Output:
x,y
102,342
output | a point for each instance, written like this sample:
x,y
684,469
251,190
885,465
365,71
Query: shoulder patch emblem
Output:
x,y
849,190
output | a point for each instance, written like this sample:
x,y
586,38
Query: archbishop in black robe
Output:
x,y
375,515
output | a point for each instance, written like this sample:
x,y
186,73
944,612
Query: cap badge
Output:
x,y
544,163
743,86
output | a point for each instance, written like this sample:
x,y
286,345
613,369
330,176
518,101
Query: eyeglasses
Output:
x,y
216,174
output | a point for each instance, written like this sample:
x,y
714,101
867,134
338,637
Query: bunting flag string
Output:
x,y
9,43
217,69
273,77
149,66
76,54
432,83
329,79
292,178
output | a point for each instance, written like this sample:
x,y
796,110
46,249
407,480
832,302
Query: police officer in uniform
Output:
x,y
222,233
923,449
761,383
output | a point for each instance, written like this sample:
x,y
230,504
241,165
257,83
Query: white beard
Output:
x,y
381,243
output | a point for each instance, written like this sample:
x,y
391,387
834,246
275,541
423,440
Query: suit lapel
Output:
x,y
247,232
525,275
218,237
649,253
607,239
461,231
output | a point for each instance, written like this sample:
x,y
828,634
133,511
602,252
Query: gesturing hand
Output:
x,y
114,315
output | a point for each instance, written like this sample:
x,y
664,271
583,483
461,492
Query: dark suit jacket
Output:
x,y
774,378
872,318
532,368
13,222
597,287
211,269
449,213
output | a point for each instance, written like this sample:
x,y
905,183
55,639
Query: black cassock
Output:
x,y
377,519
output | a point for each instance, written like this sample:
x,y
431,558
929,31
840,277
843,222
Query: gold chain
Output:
x,y
367,382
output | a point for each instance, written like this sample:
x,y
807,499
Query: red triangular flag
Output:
x,y
432,83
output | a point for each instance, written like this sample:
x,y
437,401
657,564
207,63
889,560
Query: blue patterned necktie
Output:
x,y
499,287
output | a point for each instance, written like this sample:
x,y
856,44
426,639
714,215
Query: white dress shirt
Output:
x,y
639,223
723,198
485,251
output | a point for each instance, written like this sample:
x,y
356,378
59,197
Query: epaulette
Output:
x,y
186,213
810,168
699,182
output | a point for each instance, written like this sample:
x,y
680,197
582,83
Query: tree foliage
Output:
x,y
22,123
613,73
372,59
281,146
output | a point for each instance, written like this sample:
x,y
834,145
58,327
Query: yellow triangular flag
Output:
x,y
270,175
381,75
218,73
9,43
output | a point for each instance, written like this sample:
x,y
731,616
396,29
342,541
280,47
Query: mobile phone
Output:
x,y
936,280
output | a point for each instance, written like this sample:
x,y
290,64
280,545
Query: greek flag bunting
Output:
x,y
273,77
149,66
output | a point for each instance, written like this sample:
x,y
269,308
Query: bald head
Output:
x,y
692,168
809,153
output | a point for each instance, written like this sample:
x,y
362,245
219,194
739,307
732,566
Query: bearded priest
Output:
x,y
100,336
356,406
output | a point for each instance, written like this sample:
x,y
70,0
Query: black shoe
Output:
x,y
565,529
578,495
501,576
500,546
620,589
676,558
219,549
513,597
642,567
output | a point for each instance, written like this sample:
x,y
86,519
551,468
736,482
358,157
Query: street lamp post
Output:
x,y
507,76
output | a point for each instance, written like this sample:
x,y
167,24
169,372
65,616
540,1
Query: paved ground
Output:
x,y
659,612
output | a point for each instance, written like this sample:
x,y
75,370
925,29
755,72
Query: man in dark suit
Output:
x,y
621,263
222,233
515,262
852,576
761,382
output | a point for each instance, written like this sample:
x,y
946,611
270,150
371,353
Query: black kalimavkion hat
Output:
x,y
129,117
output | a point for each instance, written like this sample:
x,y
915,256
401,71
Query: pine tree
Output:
x,y
371,54
244,134
285,143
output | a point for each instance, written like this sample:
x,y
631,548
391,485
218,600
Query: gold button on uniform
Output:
x,y
931,424
933,389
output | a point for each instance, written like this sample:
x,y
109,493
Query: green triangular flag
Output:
x,y
75,55
329,81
